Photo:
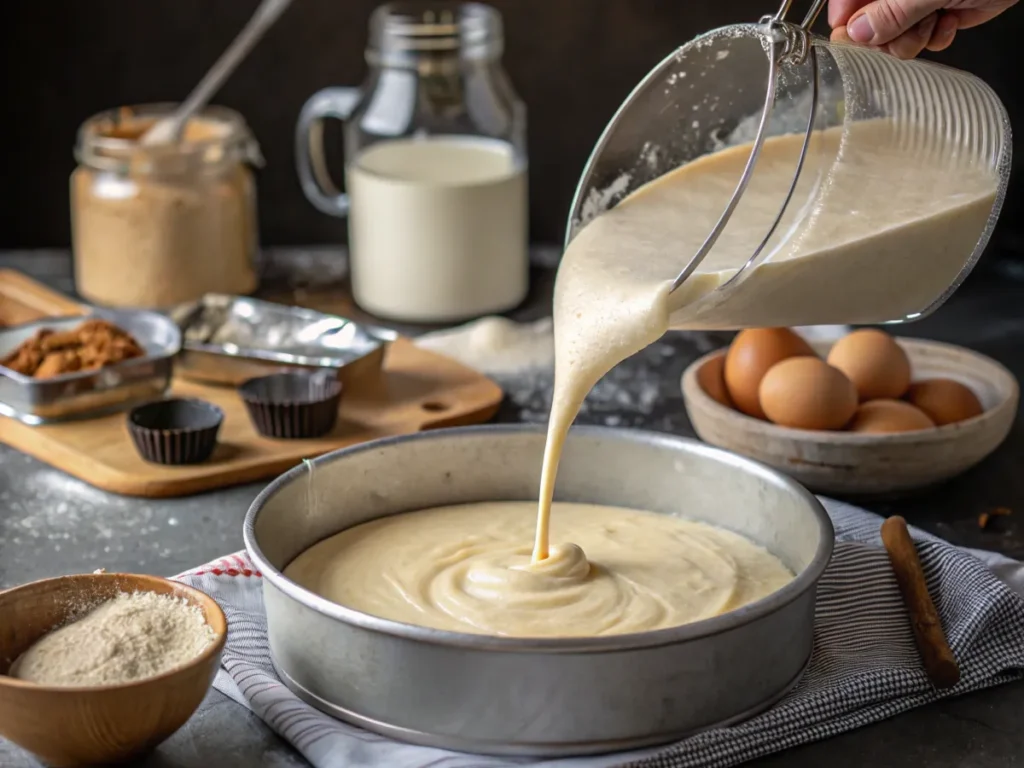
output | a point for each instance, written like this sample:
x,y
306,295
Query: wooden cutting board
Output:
x,y
417,390
23,300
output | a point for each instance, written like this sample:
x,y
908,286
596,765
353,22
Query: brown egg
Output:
x,y
877,365
807,393
750,356
944,400
888,416
711,377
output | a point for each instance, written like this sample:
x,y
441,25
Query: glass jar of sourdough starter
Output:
x,y
156,226
855,188
435,166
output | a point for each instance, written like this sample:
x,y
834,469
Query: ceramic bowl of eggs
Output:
x,y
866,415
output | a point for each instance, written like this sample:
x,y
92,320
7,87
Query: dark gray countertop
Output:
x,y
52,524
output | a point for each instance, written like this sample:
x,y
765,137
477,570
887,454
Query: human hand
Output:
x,y
906,27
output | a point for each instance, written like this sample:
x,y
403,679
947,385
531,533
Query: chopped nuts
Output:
x,y
93,344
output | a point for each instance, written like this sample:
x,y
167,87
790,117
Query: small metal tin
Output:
x,y
549,696
91,393
231,339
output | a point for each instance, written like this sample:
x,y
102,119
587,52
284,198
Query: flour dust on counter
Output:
x,y
50,517
634,395
520,357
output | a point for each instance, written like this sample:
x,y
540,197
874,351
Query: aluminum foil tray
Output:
x,y
91,393
229,339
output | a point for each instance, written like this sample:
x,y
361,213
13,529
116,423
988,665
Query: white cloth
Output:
x,y
864,666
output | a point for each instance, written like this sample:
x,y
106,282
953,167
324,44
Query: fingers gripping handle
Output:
x,y
315,178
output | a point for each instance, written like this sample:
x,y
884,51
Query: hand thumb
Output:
x,y
882,21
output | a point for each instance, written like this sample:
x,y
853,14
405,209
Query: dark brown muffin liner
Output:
x,y
292,406
175,431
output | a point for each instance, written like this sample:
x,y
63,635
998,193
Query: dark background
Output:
x,y
572,61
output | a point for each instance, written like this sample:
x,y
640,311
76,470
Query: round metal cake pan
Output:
x,y
551,696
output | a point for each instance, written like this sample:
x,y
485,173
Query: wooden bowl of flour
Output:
x,y
77,726
850,464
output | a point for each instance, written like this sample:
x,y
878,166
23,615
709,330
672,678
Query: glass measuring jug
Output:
x,y
854,188
435,166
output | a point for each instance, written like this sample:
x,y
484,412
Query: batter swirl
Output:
x,y
467,568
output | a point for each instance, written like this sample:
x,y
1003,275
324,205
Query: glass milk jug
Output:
x,y
435,166
857,188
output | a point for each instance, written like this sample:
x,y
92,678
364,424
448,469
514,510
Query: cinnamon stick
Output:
x,y
936,655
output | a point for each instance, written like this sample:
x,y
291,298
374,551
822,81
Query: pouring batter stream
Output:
x,y
890,229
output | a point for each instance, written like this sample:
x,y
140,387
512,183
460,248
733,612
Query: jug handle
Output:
x,y
809,19
315,178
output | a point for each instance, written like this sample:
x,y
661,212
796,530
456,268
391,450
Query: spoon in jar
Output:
x,y
168,129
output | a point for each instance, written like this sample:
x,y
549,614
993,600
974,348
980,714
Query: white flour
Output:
x,y
131,637
496,346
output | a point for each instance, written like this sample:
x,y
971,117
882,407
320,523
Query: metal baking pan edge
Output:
x,y
538,696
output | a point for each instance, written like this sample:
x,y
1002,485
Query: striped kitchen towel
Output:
x,y
864,666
